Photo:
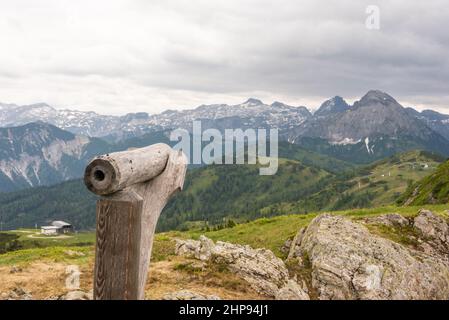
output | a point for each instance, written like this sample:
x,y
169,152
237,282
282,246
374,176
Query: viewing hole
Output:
x,y
99,175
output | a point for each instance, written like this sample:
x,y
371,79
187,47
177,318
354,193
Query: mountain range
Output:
x,y
374,127
41,145
250,114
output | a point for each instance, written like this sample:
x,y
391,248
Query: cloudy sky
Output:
x,y
117,56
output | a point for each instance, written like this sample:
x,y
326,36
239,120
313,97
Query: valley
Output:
x,y
374,171
238,193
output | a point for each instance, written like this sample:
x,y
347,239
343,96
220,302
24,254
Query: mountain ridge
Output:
x,y
374,127
40,154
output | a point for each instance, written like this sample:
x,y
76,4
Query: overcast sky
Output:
x,y
117,56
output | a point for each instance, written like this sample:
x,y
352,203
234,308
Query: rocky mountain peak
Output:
x,y
39,105
7,105
278,104
39,153
335,105
253,102
434,115
135,116
374,97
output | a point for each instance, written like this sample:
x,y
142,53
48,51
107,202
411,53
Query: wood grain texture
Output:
x,y
117,256
126,220
155,194
113,172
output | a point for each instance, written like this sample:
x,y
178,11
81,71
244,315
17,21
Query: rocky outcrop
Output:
x,y
435,230
294,246
77,295
189,295
346,261
265,272
285,248
201,250
292,291
17,293
389,219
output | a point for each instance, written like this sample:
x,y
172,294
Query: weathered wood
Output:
x,y
117,256
126,220
155,194
113,172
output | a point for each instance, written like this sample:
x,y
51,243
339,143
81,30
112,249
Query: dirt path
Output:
x,y
46,279
38,236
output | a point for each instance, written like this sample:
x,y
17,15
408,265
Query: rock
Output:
x,y
76,295
348,262
189,295
389,219
265,272
19,293
15,269
286,246
186,248
90,294
292,291
295,246
259,267
205,249
74,253
434,229
200,250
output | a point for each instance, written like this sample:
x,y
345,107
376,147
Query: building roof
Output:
x,y
60,224
50,227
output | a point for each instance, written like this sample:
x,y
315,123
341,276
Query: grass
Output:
x,y
270,233
163,247
390,177
41,241
215,274
26,249
48,254
407,235
432,189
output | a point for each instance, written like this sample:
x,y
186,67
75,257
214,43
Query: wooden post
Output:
x,y
135,186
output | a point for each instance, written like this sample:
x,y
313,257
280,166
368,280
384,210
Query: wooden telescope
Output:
x,y
135,185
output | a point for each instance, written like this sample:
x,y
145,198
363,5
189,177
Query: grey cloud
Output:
x,y
165,49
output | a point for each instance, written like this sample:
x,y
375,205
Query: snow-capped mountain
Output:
x,y
252,113
78,122
374,127
436,121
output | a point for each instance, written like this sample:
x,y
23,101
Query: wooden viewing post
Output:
x,y
135,186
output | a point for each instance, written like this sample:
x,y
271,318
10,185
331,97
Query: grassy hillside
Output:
x,y
310,158
270,233
378,184
66,201
211,193
223,192
238,192
432,189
